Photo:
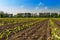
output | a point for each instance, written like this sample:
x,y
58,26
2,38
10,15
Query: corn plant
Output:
x,y
54,30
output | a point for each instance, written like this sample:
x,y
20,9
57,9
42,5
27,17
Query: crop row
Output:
x,y
9,29
35,32
54,30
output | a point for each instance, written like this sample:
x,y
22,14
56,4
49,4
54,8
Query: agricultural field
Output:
x,y
29,29
57,27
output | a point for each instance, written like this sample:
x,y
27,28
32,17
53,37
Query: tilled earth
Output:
x,y
39,31
57,23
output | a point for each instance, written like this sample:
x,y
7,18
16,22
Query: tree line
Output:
x,y
29,15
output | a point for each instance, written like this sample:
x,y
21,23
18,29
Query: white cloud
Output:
x,y
46,8
13,10
40,4
42,8
39,8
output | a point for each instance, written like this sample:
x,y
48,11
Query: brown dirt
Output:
x,y
39,31
57,23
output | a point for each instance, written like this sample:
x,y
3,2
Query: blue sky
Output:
x,y
15,6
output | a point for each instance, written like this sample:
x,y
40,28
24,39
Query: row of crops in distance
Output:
x,y
54,29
